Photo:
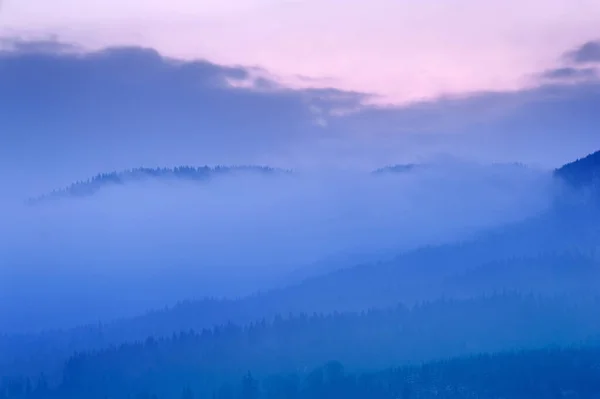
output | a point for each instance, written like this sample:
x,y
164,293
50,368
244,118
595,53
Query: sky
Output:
x,y
100,86
403,50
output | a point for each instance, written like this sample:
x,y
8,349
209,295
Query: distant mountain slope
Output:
x,y
582,172
96,183
394,335
412,167
399,168
550,373
559,250
182,173
463,272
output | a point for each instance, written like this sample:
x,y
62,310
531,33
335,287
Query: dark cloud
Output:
x,y
568,73
21,46
546,125
587,53
126,107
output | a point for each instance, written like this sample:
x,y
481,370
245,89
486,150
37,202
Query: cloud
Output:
x,y
546,125
353,41
569,73
587,53
51,45
127,107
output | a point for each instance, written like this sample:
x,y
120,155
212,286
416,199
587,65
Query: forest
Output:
x,y
362,341
551,373
186,173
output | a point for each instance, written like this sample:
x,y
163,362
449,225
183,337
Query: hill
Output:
x,y
367,341
181,173
412,279
584,172
580,173
398,168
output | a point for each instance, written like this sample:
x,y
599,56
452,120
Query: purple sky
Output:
x,y
403,50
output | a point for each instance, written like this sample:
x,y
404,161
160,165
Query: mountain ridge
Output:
x,y
581,172
94,184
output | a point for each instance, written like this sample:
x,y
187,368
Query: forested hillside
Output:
x,y
364,340
424,277
137,175
583,172
546,373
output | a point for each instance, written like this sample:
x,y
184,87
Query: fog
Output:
x,y
144,244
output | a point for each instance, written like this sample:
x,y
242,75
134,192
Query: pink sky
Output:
x,y
403,50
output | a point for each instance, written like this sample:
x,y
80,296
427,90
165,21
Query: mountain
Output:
x,y
399,168
463,272
412,167
580,173
584,172
101,181
182,173
363,341
571,372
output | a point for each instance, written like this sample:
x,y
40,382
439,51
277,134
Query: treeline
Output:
x,y
362,341
584,172
550,373
91,186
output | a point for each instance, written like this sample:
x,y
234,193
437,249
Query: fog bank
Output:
x,y
142,245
